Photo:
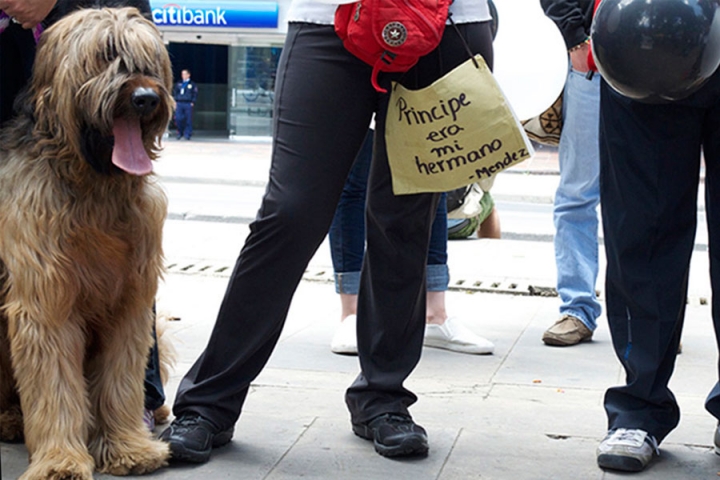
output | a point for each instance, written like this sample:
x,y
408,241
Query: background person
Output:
x,y
185,94
28,13
578,193
347,248
651,151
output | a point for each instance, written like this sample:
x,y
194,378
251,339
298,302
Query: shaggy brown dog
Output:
x,y
80,247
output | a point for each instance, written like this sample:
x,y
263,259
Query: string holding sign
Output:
x,y
458,131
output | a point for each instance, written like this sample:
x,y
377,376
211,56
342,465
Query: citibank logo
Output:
x,y
216,14
174,14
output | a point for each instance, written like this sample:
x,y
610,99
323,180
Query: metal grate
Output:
x,y
471,285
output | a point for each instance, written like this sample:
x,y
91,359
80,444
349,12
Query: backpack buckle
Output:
x,y
387,57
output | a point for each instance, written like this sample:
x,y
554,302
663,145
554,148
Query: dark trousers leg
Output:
x,y
347,231
649,160
316,138
181,117
711,148
154,390
17,51
189,122
391,303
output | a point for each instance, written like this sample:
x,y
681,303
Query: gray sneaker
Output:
x,y
629,450
716,440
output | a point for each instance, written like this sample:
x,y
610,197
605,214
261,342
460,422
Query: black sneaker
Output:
x,y
394,435
191,438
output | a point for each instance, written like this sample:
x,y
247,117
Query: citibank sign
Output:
x,y
216,14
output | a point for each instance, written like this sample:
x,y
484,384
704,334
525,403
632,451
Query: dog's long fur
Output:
x,y
80,250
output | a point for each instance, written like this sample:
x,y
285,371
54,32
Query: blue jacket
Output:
x,y
187,94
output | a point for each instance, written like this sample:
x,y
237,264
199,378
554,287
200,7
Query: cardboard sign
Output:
x,y
457,131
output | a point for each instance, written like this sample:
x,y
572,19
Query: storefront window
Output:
x,y
251,87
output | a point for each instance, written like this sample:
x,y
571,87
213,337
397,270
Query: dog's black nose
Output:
x,y
144,100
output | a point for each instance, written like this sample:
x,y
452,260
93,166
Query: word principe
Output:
x,y
438,112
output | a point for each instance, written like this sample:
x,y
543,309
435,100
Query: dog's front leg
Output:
x,y
120,443
48,361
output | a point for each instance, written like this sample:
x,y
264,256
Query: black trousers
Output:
x,y
649,176
324,103
17,52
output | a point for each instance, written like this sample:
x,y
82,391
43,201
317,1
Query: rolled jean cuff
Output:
x,y
347,282
438,278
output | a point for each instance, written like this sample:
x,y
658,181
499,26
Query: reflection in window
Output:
x,y
252,83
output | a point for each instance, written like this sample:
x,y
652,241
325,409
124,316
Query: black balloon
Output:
x,y
656,50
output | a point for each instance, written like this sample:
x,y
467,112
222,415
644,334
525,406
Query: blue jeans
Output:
x,y
577,198
347,232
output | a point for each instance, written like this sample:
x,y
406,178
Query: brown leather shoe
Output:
x,y
566,332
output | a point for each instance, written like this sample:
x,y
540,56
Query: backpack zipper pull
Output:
x,y
357,12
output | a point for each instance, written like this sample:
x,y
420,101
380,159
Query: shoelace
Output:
x,y
396,418
187,422
399,422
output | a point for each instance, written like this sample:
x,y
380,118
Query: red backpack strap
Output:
x,y
386,58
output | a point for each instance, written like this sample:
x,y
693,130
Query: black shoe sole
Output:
x,y
411,447
620,462
415,446
181,453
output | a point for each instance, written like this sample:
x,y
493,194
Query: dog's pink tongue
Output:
x,y
128,152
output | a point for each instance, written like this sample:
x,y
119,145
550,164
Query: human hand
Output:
x,y
27,12
579,58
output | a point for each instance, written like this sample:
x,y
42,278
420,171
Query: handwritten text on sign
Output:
x,y
457,131
445,152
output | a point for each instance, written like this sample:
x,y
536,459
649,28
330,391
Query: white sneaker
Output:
x,y
629,450
345,339
453,335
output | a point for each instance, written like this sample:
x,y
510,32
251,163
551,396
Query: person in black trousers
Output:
x,y
649,174
324,102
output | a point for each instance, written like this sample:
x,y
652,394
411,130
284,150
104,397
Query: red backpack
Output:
x,y
391,35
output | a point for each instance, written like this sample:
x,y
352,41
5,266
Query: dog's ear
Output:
x,y
97,150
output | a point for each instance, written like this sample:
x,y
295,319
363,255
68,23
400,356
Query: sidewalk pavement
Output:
x,y
526,412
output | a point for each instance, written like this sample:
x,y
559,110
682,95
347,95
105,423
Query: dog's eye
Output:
x,y
122,67
110,52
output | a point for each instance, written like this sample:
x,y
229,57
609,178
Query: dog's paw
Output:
x,y
11,425
133,458
161,415
56,467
